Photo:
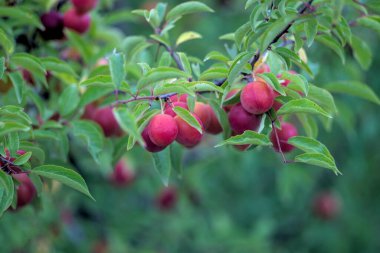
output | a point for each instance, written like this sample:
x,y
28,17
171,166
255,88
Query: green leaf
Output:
x,y
31,63
58,66
309,125
214,73
80,44
173,88
310,145
362,52
333,44
248,137
187,8
23,158
117,69
354,88
323,98
302,105
92,134
237,65
186,36
297,82
103,80
200,86
272,80
369,22
318,160
2,67
162,164
240,33
215,55
66,176
274,29
9,127
6,42
160,74
128,123
6,192
311,28
22,16
176,151
69,100
188,117
18,84
6,181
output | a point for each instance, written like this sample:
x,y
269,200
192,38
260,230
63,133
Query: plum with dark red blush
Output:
x,y
214,126
122,174
27,76
230,94
181,98
326,206
286,132
167,198
241,120
89,111
169,107
149,145
25,191
76,22
257,97
286,82
84,6
276,105
203,111
106,119
53,24
188,136
163,130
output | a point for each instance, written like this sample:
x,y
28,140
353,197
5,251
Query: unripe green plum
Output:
x,y
287,131
188,136
257,97
163,130
84,6
241,120
149,145
76,21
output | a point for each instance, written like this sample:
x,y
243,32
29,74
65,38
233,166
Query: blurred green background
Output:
x,y
228,201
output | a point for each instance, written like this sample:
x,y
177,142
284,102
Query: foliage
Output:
x,y
54,83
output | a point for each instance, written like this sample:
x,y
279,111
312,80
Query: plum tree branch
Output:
x,y
180,66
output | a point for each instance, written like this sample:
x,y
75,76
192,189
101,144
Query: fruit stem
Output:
x,y
277,139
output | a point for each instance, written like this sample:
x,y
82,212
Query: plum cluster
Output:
x,y
76,18
255,99
163,129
